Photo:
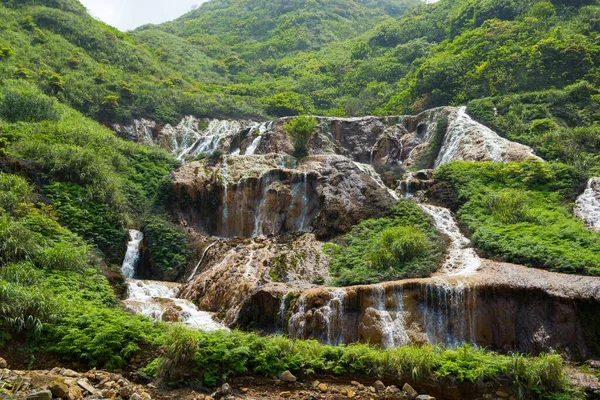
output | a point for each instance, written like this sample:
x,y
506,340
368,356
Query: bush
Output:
x,y
26,104
403,245
301,129
397,246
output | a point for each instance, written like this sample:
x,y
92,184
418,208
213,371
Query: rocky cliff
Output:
x,y
259,216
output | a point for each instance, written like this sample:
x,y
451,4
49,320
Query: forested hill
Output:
x,y
253,58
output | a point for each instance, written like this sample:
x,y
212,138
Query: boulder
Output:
x,y
410,392
3,363
287,376
379,387
59,388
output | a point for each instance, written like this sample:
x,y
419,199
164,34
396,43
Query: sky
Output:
x,y
129,14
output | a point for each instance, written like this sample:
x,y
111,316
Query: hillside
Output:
x,y
369,189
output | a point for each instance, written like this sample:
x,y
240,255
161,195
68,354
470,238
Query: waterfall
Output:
x,y
587,206
132,256
259,213
333,315
409,178
201,259
210,139
297,322
225,181
393,330
461,258
300,201
448,313
281,313
158,300
461,134
262,129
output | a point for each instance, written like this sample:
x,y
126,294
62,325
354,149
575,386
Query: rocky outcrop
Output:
x,y
245,281
68,384
429,139
503,307
250,196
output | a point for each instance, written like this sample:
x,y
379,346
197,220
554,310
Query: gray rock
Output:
x,y
85,385
425,397
41,395
287,376
410,392
379,386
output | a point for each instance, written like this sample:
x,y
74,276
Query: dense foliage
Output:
x,y
248,352
517,212
403,245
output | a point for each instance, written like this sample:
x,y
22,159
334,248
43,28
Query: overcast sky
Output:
x,y
129,14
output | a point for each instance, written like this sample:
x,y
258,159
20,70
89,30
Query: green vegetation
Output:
x,y
403,245
251,353
517,212
561,125
96,182
301,129
167,245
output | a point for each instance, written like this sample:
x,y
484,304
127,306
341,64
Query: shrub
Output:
x,y
397,246
14,191
402,245
301,129
26,104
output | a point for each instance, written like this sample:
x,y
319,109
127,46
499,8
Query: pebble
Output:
x,y
322,387
3,363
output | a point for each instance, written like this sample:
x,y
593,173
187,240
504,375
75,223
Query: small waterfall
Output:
x,y
300,201
409,178
587,206
211,138
262,129
448,313
461,258
132,256
393,329
333,315
225,182
283,306
297,322
461,132
200,262
158,300
259,216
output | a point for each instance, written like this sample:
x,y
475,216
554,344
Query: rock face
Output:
x,y
245,281
504,307
250,196
398,140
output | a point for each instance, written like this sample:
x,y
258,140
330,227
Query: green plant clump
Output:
x,y
403,245
301,129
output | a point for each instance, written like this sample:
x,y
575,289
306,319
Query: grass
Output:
x,y
520,213
402,245
217,356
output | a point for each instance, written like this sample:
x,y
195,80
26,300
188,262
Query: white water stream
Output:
x,y
158,300
587,206
461,259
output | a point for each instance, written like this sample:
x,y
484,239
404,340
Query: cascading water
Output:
x,y
587,206
448,312
209,139
461,258
393,329
262,129
132,256
158,300
297,322
370,171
